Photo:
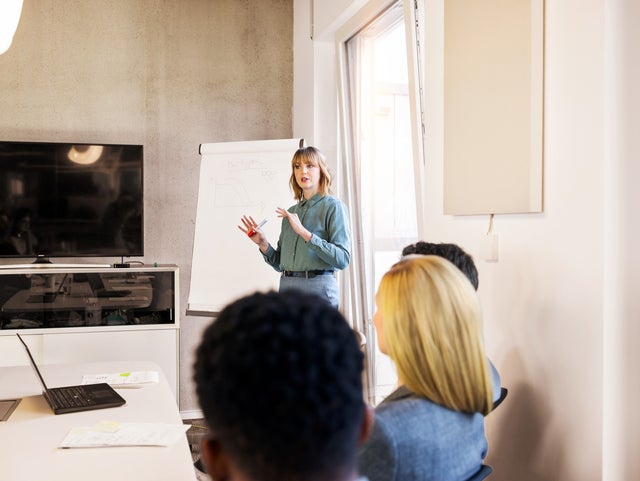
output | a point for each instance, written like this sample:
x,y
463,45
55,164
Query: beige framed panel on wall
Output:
x,y
493,106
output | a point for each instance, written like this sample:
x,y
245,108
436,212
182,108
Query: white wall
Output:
x,y
622,234
315,114
543,299
553,320
303,85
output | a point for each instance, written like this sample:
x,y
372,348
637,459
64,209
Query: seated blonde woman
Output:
x,y
428,320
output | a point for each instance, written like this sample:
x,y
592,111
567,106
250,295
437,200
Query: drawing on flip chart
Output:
x,y
236,179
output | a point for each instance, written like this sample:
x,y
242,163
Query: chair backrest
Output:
x,y
484,471
360,337
503,394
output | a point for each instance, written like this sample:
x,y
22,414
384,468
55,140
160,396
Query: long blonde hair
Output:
x,y
310,156
433,330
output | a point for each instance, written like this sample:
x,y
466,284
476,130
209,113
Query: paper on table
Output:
x,y
111,433
120,378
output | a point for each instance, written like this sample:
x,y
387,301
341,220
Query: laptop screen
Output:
x,y
33,363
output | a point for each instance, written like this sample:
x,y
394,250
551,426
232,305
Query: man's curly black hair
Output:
x,y
279,380
452,252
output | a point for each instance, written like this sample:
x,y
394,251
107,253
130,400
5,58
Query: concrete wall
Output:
x,y
169,75
561,311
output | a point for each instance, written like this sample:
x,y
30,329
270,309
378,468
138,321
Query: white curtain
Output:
x,y
382,160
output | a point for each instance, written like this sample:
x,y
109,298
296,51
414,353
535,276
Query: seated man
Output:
x,y
279,380
452,252
463,261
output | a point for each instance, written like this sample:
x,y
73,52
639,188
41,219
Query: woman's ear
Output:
x,y
214,458
367,424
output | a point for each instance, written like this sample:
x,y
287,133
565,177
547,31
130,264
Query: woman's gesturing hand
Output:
x,y
295,223
250,227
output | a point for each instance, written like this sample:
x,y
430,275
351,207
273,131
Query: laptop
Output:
x,y
72,399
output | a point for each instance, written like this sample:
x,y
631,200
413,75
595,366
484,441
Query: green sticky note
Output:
x,y
125,374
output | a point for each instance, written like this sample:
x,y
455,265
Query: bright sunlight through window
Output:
x,y
382,155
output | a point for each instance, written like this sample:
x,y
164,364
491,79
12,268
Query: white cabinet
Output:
x,y
80,314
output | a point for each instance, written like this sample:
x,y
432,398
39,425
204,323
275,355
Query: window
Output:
x,y
381,166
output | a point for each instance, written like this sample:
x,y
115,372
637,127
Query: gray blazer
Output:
x,y
414,439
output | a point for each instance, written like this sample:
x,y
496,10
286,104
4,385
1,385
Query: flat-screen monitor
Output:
x,y
71,200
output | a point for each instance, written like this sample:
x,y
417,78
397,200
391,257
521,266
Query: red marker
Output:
x,y
253,231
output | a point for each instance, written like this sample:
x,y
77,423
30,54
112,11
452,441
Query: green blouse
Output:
x,y
330,245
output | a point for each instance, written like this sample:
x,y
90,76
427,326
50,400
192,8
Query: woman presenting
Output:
x,y
314,238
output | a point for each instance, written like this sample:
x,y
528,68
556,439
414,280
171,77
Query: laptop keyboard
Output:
x,y
70,397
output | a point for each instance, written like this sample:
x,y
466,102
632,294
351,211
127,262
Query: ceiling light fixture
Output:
x,y
10,11
85,154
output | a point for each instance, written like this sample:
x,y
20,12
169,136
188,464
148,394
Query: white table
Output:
x,y
29,439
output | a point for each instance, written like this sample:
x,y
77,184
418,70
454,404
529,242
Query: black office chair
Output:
x,y
360,337
503,394
485,471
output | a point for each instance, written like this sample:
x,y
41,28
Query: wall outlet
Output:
x,y
490,248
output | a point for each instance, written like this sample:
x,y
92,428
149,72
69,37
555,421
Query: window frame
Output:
x,y
355,297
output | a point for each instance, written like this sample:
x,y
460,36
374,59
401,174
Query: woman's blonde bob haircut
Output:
x,y
310,156
433,330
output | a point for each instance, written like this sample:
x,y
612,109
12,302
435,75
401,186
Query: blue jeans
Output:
x,y
325,286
